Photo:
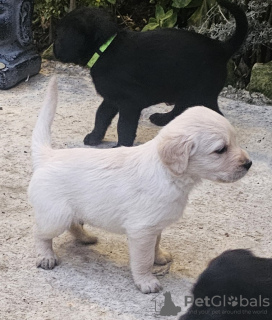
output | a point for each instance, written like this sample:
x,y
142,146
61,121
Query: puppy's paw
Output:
x,y
149,284
92,139
47,262
162,257
159,119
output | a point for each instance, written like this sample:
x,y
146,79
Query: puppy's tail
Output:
x,y
237,39
41,137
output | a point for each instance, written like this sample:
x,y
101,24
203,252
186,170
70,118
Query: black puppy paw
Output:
x,y
159,119
91,140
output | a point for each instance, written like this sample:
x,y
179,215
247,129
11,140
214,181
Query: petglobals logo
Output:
x,y
223,301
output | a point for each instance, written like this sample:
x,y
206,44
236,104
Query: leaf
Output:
x,y
159,13
152,20
180,3
151,26
112,1
194,4
197,17
170,23
167,15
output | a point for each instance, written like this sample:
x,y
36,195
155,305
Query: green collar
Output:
x,y
96,56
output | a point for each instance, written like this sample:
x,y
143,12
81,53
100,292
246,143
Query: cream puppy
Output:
x,y
137,190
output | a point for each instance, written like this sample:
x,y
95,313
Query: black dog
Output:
x,y
237,286
140,69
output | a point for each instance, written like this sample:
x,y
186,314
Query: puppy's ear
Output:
x,y
175,153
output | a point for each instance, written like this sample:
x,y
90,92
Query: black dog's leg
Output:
x,y
161,119
214,106
104,115
127,126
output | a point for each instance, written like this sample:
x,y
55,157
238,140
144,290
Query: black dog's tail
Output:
x,y
235,42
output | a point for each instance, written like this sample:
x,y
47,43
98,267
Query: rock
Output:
x,y
261,79
255,98
18,57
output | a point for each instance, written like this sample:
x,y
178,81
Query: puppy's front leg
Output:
x,y
142,253
104,115
127,125
161,256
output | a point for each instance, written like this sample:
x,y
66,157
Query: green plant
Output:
x,y
197,9
162,19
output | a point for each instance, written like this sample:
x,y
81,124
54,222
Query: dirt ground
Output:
x,y
94,282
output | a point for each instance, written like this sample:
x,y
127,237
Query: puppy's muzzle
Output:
x,y
247,165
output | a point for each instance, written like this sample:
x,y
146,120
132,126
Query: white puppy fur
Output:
x,y
137,190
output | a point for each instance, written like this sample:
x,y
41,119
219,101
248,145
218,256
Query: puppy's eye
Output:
x,y
222,150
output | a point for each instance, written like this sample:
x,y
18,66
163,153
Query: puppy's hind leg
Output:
x,y
161,256
142,254
48,226
212,104
46,258
104,115
82,235
162,119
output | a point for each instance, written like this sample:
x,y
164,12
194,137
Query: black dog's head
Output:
x,y
240,285
80,33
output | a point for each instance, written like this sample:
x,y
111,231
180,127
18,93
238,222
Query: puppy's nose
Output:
x,y
248,164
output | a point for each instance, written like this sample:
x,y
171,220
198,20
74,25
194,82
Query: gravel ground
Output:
x,y
94,282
